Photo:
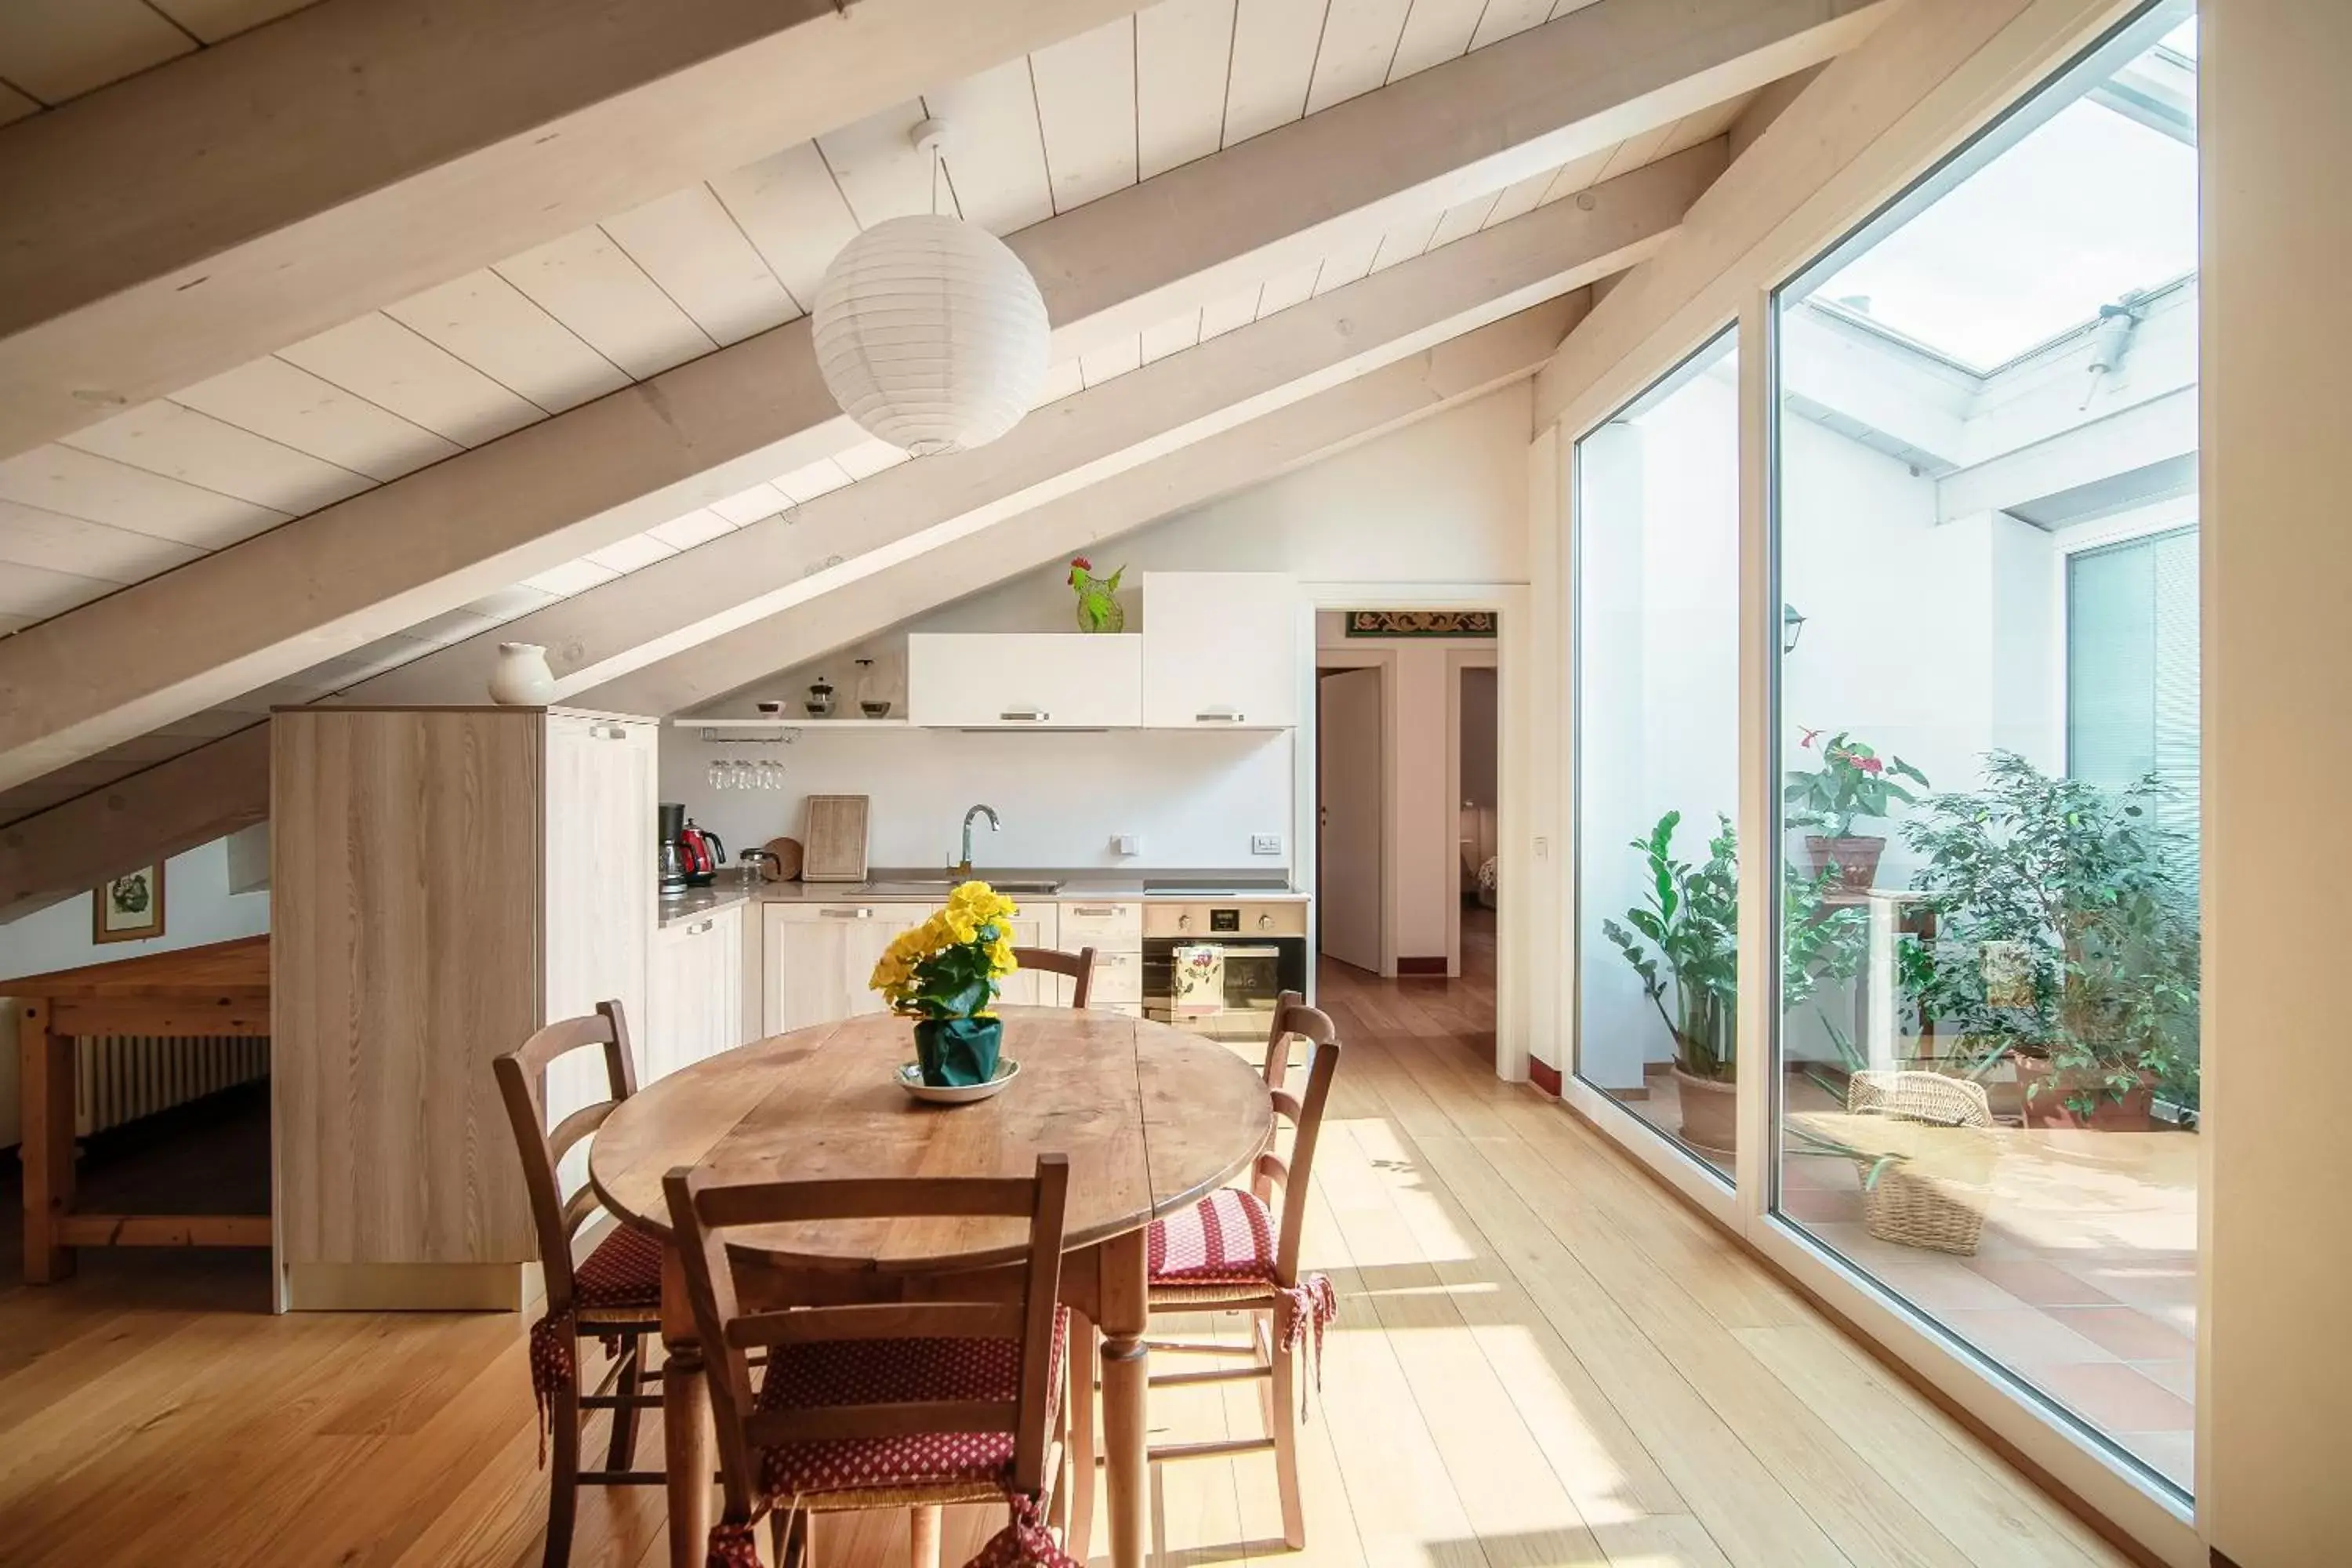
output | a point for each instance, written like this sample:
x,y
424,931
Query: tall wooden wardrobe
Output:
x,y
444,881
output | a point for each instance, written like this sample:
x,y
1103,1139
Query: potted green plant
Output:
x,y
2066,940
1684,940
1854,785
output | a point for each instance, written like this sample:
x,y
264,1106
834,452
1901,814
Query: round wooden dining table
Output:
x,y
1152,1118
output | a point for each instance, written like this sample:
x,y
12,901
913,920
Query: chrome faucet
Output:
x,y
963,867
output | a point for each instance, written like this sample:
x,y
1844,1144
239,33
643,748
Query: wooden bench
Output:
x,y
220,989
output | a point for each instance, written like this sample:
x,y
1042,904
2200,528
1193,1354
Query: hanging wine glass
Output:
x,y
717,773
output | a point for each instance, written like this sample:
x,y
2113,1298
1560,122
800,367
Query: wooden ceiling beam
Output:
x,y
210,211
818,547
378,563
1401,393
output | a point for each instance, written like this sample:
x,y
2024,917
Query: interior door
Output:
x,y
1348,836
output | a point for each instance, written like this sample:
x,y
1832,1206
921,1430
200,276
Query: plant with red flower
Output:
x,y
1854,784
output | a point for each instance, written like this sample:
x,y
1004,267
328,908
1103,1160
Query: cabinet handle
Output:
x,y
1025,716
1219,716
836,914
1098,911
698,927
609,731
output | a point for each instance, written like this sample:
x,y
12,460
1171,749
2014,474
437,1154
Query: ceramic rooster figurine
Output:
x,y
1098,606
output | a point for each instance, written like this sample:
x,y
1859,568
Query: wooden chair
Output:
x,y
911,1402
1238,1250
1079,966
613,1295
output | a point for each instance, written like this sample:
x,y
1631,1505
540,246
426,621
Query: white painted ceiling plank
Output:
x,y
572,577
812,480
15,105
1405,241
36,593
30,536
163,438
687,243
1113,358
58,49
295,408
1632,153
1284,289
1182,50
1693,129
627,555
80,484
1347,263
749,505
1086,105
488,322
588,284
1274,61
1066,379
1359,42
213,20
396,368
1505,17
1577,174
1232,312
793,213
1462,221
699,526
995,153
1436,31
1172,337
880,174
868,458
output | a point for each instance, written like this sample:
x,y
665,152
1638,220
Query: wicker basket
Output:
x,y
1932,1190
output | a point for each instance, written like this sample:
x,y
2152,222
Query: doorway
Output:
x,y
1350,817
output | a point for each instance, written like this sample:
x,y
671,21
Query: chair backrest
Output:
x,y
1079,966
703,1206
1288,1176
522,1083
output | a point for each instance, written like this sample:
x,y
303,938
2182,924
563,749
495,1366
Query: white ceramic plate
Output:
x,y
910,1079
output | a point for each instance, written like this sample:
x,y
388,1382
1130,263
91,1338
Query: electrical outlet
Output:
x,y
1265,842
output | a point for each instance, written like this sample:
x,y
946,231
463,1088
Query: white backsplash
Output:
x,y
1192,799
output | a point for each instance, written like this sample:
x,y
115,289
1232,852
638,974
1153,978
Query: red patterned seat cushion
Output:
x,y
623,1272
1226,1238
895,1372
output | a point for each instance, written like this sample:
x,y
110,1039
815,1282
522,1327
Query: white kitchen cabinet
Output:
x,y
819,958
1220,650
694,1006
1037,926
1114,929
1024,680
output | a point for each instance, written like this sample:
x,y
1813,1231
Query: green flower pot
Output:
x,y
956,1053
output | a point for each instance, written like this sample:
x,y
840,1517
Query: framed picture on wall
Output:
x,y
130,907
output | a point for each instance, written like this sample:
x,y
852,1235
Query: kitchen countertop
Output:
x,y
895,885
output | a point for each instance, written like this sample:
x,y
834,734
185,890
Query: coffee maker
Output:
x,y
672,854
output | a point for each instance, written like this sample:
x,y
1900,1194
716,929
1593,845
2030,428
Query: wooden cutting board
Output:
x,y
833,846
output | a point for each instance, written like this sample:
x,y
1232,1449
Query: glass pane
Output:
x,y
1985,500
1658,613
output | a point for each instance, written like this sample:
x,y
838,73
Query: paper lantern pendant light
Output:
x,y
930,332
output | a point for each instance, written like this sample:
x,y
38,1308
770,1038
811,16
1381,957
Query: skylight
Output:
x,y
2089,206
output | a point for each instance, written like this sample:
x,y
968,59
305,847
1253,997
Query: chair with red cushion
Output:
x,y
1238,1250
614,1295
952,1397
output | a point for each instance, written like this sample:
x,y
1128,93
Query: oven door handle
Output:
x,y
1231,949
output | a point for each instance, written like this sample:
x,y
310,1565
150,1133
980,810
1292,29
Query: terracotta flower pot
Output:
x,y
1855,860
2047,1089
1710,1113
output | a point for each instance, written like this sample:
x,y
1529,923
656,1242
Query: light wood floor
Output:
x,y
1540,1359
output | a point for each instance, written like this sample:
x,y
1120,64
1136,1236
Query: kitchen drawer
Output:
x,y
1093,924
1118,977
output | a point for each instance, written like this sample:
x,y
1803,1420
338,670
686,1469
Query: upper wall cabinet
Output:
x,y
1024,680
1220,650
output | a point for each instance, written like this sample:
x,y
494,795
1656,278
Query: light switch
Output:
x,y
1126,843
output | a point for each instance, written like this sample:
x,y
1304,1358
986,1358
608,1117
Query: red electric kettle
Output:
x,y
703,853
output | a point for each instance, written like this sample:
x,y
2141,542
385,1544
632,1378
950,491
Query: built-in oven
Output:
x,y
1218,968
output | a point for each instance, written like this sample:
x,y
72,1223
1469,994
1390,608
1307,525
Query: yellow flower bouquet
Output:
x,y
945,974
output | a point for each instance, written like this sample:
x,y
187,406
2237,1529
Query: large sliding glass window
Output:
x,y
1657,674
1987,1052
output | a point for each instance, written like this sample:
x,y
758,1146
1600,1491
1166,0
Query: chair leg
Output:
x,y
563,1476
1079,1535
622,1453
1283,1429
923,1535
1159,1517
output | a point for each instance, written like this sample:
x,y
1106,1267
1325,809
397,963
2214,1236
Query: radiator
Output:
x,y
121,1077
